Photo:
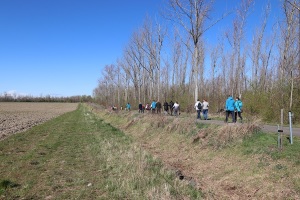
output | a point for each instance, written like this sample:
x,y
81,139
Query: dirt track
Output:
x,y
17,117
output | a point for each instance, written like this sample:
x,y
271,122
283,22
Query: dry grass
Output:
x,y
211,156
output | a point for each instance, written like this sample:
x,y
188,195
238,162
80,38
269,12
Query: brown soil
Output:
x,y
18,117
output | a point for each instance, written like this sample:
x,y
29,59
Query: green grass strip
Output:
x,y
78,156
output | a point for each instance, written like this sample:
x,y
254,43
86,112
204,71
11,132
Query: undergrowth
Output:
x,y
228,160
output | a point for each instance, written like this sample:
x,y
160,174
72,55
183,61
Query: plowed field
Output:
x,y
18,117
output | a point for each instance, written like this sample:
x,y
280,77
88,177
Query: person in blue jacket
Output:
x,y
229,108
153,106
238,109
128,106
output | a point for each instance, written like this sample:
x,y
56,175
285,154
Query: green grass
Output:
x,y
266,144
78,156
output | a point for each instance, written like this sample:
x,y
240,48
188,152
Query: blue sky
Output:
x,y
59,47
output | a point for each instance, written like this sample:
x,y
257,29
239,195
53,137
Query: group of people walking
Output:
x,y
232,107
156,107
202,106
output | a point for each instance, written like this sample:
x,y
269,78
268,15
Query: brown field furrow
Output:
x,y
19,117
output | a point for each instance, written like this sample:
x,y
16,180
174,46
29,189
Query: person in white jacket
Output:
x,y
176,108
198,107
205,106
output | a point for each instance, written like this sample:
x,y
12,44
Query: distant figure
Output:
x,y
158,107
198,107
229,107
140,107
205,106
148,107
128,106
166,107
238,109
171,104
176,108
153,106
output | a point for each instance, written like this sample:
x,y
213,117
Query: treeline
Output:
x,y
170,59
48,98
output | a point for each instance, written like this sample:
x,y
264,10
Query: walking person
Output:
x,y
128,106
198,107
238,109
166,107
176,108
140,107
153,106
171,104
148,107
229,107
158,107
205,106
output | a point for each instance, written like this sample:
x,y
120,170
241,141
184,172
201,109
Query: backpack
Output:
x,y
199,106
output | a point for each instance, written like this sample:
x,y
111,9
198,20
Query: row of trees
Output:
x,y
27,98
165,61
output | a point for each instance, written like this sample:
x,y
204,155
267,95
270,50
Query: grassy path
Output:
x,y
78,156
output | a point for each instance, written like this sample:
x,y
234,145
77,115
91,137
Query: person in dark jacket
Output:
x,y
171,104
166,107
229,107
141,108
158,107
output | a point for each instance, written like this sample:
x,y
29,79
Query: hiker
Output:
x,y
153,106
205,106
198,107
158,107
128,106
147,107
171,104
141,108
166,107
238,109
229,107
176,108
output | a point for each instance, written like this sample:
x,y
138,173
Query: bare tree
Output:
x,y
214,56
289,48
257,48
235,39
154,38
191,15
